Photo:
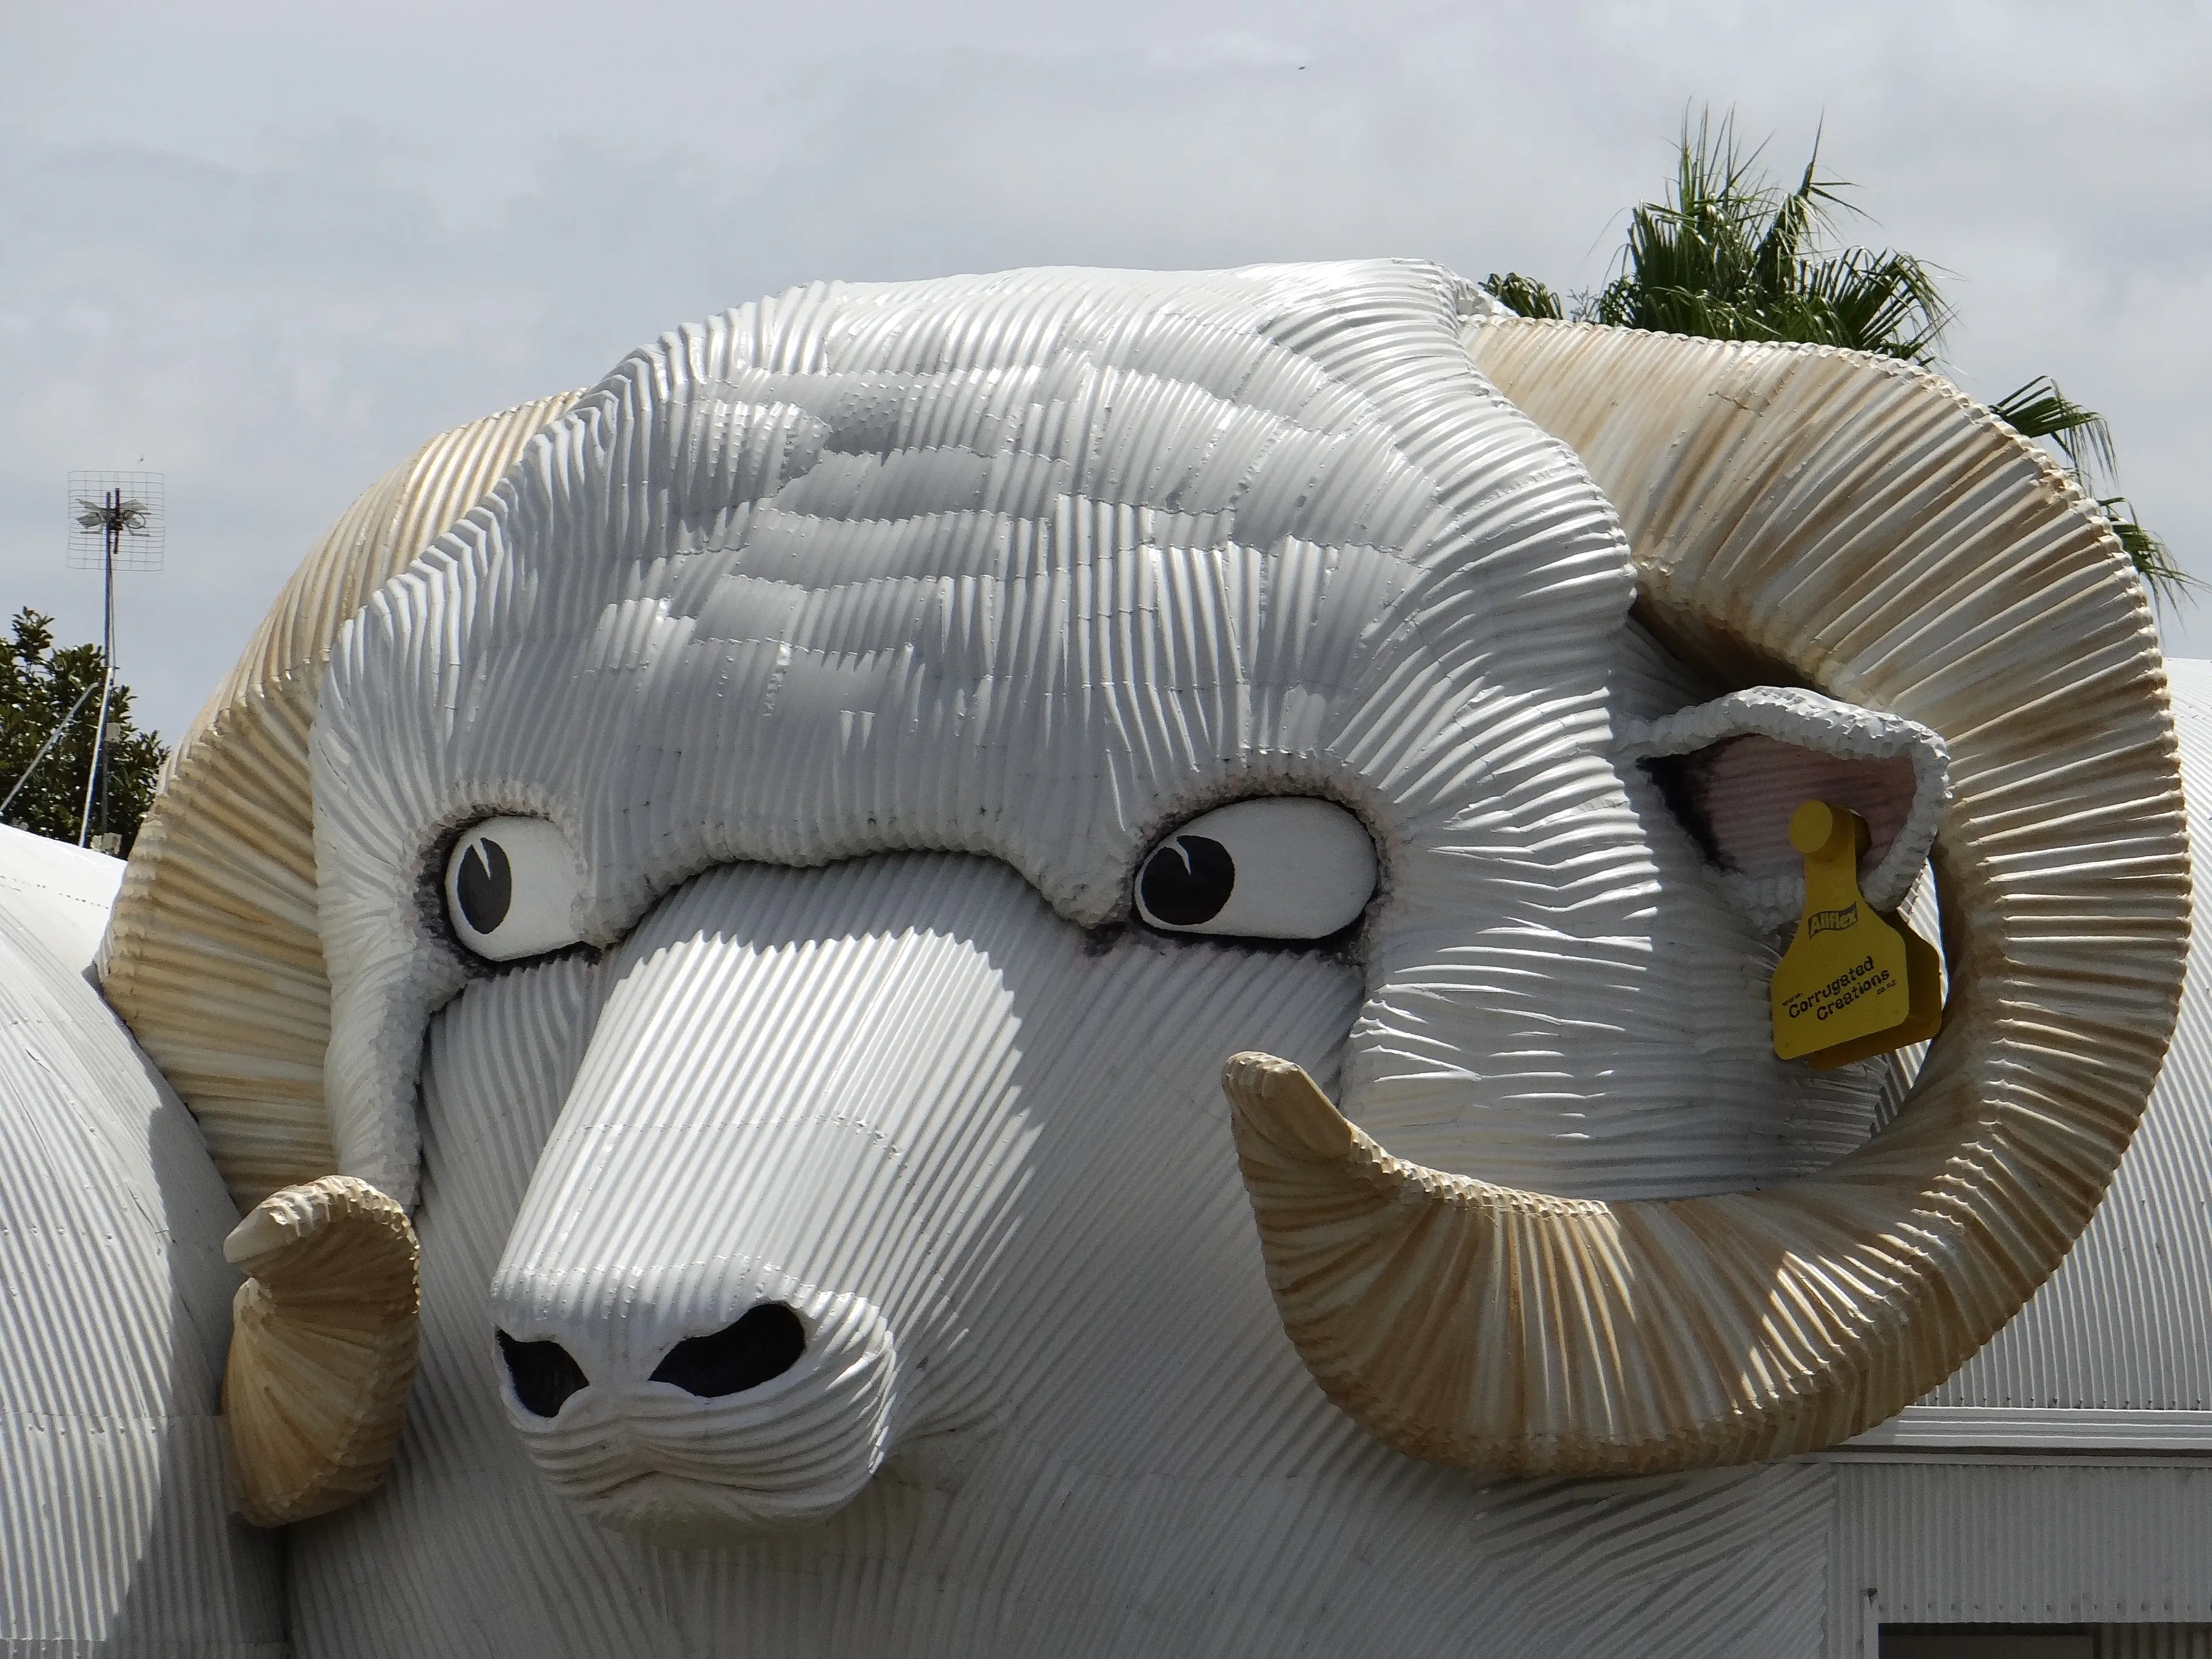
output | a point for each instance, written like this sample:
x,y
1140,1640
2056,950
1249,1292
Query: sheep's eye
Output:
x,y
1284,867
511,888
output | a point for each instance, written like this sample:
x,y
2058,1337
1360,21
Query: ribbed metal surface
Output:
x,y
115,1537
212,953
1032,567
907,1075
2125,1324
1919,1429
2003,1544
62,894
322,1348
1857,522
1029,566
2154,1641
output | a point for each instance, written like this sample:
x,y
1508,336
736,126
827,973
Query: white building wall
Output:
x,y
2019,1543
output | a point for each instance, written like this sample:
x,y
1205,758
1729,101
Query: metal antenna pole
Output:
x,y
116,524
108,662
113,501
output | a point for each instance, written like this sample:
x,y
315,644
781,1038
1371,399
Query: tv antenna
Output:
x,y
116,524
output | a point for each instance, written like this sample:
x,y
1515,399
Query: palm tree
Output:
x,y
1730,256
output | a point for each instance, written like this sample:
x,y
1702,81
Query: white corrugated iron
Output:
x,y
2018,1543
114,1308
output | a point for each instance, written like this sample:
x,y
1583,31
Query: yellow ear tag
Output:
x,y
1852,983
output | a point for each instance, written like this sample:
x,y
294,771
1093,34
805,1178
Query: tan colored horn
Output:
x,y
212,954
1856,524
322,1348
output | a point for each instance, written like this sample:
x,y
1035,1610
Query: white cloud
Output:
x,y
272,247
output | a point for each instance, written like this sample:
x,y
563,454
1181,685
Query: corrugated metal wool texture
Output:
x,y
1897,572
1116,1471
213,954
114,1533
968,591
2119,1328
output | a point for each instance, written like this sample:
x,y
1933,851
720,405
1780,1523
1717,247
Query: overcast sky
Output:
x,y
270,248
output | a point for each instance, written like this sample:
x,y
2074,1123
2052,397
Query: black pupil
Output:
x,y
1187,881
486,885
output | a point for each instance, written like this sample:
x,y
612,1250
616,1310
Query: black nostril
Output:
x,y
767,1342
545,1375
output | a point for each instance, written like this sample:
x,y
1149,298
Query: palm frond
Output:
x,y
2153,561
1800,219
1729,255
1524,296
2040,409
1883,302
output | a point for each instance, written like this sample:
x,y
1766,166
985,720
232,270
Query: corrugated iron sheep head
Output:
x,y
983,593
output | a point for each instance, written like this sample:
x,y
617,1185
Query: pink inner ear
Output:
x,y
1749,786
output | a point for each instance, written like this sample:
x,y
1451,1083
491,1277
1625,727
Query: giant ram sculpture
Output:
x,y
776,862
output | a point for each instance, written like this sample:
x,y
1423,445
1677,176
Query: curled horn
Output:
x,y
323,1342
214,957
1855,524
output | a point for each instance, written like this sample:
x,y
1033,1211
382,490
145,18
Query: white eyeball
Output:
x,y
1287,866
511,889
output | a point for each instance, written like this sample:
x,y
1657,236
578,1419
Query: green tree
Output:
x,y
1730,255
39,687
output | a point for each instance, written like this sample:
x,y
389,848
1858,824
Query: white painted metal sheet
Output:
x,y
2022,1543
62,893
676,696
1141,1438
115,1536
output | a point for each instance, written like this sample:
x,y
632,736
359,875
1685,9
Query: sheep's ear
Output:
x,y
1735,768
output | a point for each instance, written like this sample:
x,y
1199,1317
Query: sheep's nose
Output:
x,y
544,1373
766,1342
